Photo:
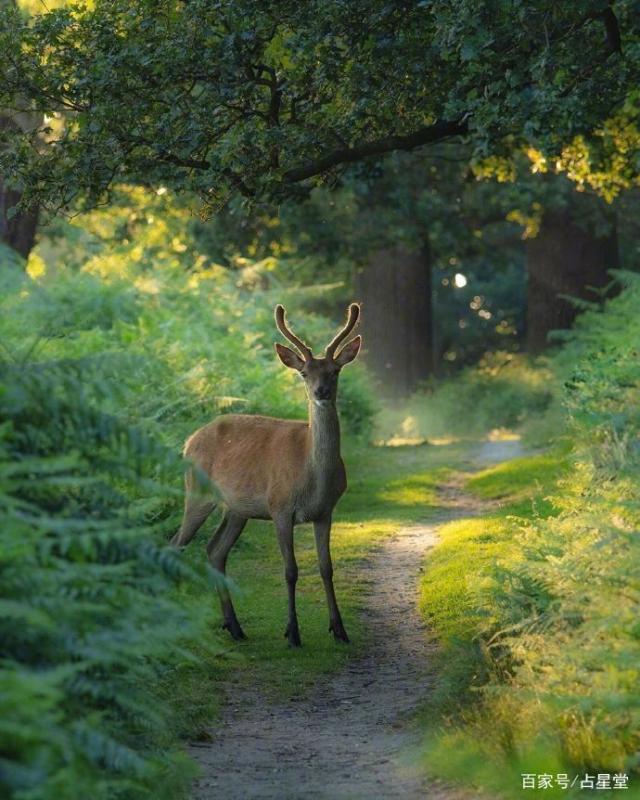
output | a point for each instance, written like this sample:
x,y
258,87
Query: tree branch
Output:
x,y
347,155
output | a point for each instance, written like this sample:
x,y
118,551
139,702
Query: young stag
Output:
x,y
284,470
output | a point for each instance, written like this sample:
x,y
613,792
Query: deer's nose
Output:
x,y
323,393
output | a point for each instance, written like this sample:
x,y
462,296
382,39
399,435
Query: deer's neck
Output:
x,y
324,430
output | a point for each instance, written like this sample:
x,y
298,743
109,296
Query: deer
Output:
x,y
288,471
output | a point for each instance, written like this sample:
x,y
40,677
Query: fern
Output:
x,y
87,623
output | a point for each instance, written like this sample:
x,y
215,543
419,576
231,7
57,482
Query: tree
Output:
x,y
571,238
261,100
17,226
568,260
396,290
417,239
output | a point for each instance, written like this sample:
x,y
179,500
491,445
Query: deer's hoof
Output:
x,y
339,633
234,629
292,634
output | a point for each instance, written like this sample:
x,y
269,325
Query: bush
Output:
x,y
88,623
557,634
503,391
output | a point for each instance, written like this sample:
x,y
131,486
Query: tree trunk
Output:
x,y
19,232
564,259
397,323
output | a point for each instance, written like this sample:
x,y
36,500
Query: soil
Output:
x,y
352,736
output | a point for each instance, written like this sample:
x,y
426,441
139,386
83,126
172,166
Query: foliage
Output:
x,y
223,100
550,618
9,256
453,591
201,336
88,623
484,316
417,202
137,324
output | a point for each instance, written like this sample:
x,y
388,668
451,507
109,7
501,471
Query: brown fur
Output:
x,y
258,465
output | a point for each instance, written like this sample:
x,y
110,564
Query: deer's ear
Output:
x,y
349,352
288,357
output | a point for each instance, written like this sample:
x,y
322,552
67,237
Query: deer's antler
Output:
x,y
352,320
305,351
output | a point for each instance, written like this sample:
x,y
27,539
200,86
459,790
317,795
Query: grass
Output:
x,y
388,487
457,572
535,601
516,693
520,487
520,478
502,391
458,590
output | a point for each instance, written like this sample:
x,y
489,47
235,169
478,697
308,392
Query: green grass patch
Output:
x,y
521,486
536,600
518,478
503,390
461,596
534,608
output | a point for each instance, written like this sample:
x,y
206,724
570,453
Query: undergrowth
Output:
x,y
88,624
503,391
536,602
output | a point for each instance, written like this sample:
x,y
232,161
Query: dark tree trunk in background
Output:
x,y
19,232
397,322
565,259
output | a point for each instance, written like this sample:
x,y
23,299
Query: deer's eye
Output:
x,y
303,374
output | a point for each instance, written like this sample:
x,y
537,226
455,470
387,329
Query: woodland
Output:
x,y
469,173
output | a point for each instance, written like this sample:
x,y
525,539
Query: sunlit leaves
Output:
x,y
228,98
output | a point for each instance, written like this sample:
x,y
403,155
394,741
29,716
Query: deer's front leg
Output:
x,y
284,528
322,530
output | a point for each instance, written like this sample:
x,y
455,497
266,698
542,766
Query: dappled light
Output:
x,y
417,491
503,435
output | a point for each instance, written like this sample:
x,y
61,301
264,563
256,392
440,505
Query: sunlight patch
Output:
x,y
503,435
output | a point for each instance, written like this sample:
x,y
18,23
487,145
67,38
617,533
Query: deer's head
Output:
x,y
320,375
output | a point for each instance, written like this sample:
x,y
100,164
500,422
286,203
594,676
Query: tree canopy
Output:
x,y
263,100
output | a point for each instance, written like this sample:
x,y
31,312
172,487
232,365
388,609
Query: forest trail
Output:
x,y
351,737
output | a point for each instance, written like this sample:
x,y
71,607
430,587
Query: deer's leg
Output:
x,y
322,530
226,535
284,528
196,510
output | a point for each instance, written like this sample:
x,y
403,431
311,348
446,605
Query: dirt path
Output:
x,y
351,737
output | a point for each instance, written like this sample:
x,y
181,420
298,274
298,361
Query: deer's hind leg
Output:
x,y
196,511
220,544
197,508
